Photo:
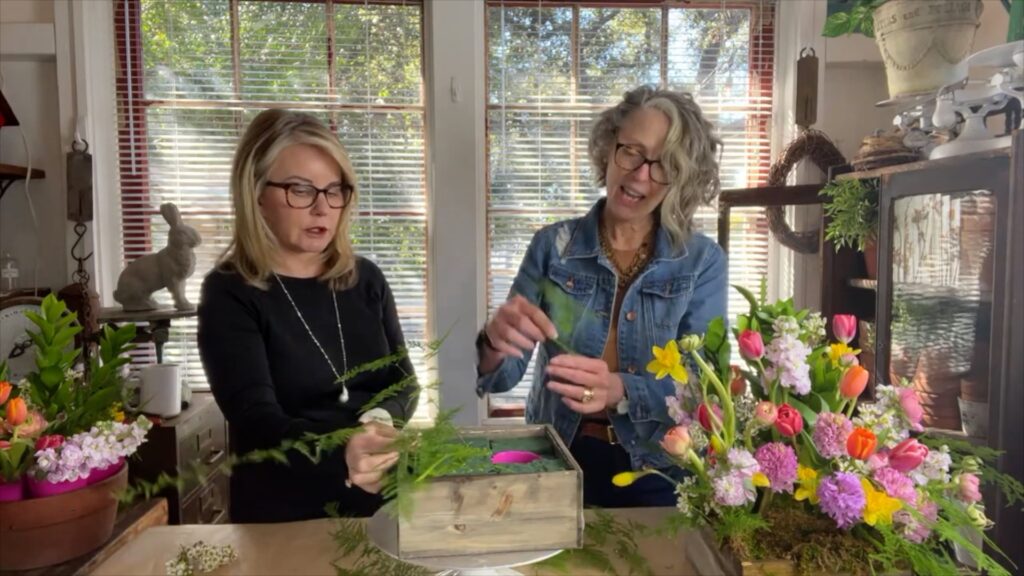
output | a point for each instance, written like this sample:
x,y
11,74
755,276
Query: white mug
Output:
x,y
159,387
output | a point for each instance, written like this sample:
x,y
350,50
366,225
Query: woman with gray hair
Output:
x,y
629,275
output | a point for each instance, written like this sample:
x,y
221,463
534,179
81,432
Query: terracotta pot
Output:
x,y
871,259
46,531
973,390
11,491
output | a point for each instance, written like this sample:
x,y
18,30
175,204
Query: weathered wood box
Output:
x,y
492,513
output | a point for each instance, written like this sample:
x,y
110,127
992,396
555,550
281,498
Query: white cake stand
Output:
x,y
382,530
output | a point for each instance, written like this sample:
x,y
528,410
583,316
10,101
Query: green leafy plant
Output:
x,y
69,401
851,17
852,208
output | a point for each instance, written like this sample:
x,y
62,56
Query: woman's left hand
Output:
x,y
585,383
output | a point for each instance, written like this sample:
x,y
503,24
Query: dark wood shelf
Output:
x,y
9,174
863,283
925,164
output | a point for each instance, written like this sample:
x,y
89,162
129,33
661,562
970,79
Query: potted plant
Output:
x,y
794,469
852,209
63,444
924,43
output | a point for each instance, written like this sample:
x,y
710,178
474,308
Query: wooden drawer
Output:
x,y
203,442
209,505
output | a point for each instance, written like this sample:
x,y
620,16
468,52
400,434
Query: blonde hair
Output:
x,y
690,154
251,252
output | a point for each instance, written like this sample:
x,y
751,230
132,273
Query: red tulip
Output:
x,y
844,326
676,441
5,390
907,455
861,444
4,444
50,441
17,411
704,418
854,380
751,345
738,385
788,421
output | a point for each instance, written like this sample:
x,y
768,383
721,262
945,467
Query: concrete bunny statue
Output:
x,y
168,268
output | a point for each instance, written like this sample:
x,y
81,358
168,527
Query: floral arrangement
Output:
x,y
788,461
62,423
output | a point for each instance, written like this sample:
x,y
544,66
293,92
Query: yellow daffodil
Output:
x,y
838,350
760,480
668,362
623,479
878,506
116,412
807,479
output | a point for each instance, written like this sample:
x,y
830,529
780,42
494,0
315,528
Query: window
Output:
x,y
192,74
552,66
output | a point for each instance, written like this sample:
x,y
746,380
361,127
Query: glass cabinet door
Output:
x,y
942,277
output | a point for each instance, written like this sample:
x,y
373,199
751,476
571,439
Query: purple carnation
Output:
x,y
896,484
842,498
830,434
778,463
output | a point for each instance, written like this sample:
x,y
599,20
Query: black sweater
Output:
x,y
273,383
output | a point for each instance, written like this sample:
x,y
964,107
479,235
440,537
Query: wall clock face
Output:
x,y
15,345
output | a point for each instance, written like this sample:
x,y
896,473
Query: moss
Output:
x,y
549,460
811,541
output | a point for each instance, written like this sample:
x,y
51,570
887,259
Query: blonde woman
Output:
x,y
288,310
631,274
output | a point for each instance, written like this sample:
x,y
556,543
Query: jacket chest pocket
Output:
x,y
666,300
567,295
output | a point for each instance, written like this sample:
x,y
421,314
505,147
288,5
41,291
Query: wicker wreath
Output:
x,y
813,145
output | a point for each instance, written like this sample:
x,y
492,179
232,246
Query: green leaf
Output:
x,y
810,416
51,376
837,25
749,297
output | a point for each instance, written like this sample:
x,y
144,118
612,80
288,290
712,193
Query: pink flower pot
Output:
x,y
44,488
12,491
100,474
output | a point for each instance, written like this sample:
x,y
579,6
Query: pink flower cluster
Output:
x,y
100,447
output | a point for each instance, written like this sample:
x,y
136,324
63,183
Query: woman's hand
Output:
x,y
516,327
368,456
585,383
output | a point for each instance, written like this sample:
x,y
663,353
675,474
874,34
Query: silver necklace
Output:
x,y
343,397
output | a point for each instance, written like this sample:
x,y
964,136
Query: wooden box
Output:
x,y
470,515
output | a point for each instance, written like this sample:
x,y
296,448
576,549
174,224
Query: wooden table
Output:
x,y
131,522
307,548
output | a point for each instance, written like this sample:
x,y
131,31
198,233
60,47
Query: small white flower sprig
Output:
x,y
200,558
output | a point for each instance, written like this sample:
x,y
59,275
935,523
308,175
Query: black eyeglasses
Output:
x,y
304,195
630,159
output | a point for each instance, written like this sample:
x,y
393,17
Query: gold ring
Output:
x,y
588,395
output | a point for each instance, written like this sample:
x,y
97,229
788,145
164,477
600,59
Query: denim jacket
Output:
x,y
677,293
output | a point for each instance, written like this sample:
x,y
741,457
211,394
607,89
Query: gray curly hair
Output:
x,y
690,155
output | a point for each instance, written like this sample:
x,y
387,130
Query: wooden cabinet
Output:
x,y
192,446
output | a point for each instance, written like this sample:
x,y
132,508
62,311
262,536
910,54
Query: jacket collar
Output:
x,y
585,242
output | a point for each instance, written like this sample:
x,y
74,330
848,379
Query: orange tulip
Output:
x,y
17,411
861,443
854,380
5,390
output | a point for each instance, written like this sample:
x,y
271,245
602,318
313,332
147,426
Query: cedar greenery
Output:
x,y
852,209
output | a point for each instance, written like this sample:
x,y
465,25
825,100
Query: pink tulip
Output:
x,y
844,326
970,488
676,441
5,444
912,408
765,413
751,345
849,360
907,455
878,460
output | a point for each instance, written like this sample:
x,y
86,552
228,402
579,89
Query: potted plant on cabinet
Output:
x,y
63,444
852,209
924,43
